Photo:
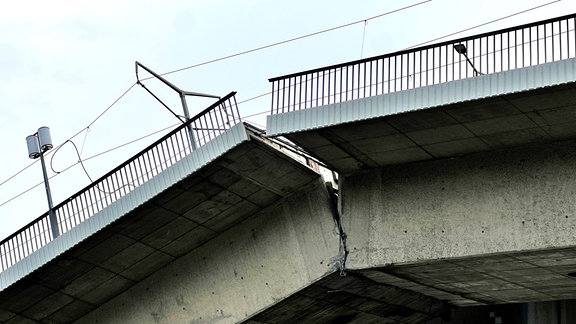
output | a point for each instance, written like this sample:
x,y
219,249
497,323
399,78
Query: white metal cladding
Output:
x,y
178,171
482,86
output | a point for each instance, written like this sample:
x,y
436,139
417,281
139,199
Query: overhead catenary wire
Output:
x,y
84,141
294,39
363,38
130,142
486,23
76,134
17,173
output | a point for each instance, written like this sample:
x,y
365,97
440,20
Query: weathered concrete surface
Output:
x,y
485,228
436,132
246,178
352,299
500,201
264,259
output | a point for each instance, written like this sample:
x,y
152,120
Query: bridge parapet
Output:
x,y
122,180
502,50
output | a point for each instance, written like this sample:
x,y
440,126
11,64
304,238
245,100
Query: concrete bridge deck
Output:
x,y
468,202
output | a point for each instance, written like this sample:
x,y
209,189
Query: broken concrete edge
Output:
x,y
297,154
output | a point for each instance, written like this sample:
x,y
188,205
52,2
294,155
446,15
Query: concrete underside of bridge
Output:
x,y
258,262
492,232
469,202
288,242
486,228
491,123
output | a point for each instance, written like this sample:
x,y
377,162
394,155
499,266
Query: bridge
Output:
x,y
429,185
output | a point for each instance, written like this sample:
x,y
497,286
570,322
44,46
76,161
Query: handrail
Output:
x,y
115,184
505,49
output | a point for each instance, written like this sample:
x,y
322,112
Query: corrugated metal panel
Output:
x,y
180,170
479,87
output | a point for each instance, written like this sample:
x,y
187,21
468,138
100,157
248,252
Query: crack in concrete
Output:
x,y
340,260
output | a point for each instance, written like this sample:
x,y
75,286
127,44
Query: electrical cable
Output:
x,y
109,107
84,141
77,154
486,23
17,173
132,141
255,97
104,112
292,39
256,114
79,132
21,194
363,37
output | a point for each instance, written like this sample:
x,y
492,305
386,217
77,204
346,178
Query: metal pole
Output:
x,y
476,72
51,215
182,94
187,115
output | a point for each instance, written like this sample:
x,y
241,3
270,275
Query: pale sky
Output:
x,y
62,63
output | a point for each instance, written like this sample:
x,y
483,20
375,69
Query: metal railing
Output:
x,y
154,159
507,49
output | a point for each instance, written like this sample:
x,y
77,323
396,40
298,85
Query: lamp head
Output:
x,y
33,147
460,48
39,142
44,138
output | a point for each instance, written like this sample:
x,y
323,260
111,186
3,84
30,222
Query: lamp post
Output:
x,y
38,144
461,49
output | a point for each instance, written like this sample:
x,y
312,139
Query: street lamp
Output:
x,y
38,144
461,49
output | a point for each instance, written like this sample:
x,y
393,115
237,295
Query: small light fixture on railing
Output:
x,y
461,49
38,144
